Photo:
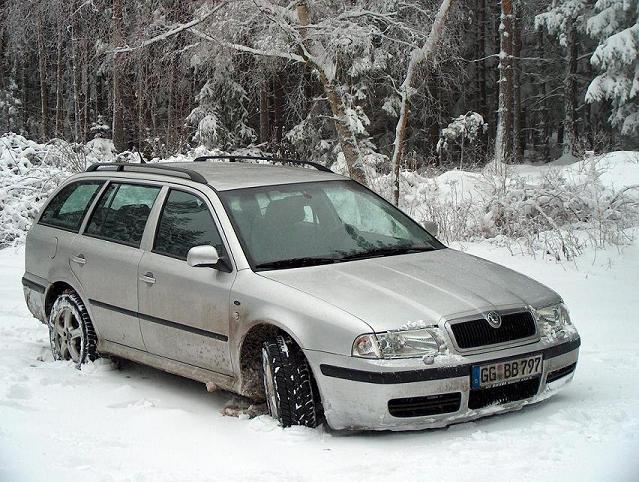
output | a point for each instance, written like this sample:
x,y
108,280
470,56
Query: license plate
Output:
x,y
484,376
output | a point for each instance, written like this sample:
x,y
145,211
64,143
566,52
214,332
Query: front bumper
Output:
x,y
356,392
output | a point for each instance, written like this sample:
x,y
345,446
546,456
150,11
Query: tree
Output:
x,y
504,138
419,57
316,55
321,80
565,19
615,24
119,138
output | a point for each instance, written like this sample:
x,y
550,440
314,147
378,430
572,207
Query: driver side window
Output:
x,y
185,222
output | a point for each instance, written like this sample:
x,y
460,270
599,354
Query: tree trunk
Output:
x,y
76,84
119,138
423,55
480,72
278,113
44,82
84,77
347,139
503,138
170,108
543,113
141,98
570,94
264,114
518,151
59,84
482,98
6,127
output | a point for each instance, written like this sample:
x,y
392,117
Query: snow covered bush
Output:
x,y
559,213
464,128
554,209
29,172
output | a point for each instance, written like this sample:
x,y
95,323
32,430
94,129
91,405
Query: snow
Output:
x,y
615,24
137,423
59,423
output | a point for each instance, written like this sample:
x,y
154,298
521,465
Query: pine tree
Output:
x,y
615,24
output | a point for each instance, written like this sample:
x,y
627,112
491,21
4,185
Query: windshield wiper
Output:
x,y
296,262
388,251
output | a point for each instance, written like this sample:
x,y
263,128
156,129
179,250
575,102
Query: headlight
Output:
x,y
400,344
554,320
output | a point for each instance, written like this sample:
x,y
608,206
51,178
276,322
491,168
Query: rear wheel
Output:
x,y
71,332
288,384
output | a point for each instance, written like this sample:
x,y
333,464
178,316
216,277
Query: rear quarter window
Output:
x,y
67,208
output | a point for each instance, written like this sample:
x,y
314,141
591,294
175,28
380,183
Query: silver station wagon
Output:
x,y
292,285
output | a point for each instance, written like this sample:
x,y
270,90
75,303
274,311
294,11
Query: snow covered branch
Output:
x,y
174,31
247,49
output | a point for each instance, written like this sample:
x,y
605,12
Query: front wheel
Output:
x,y
288,384
70,330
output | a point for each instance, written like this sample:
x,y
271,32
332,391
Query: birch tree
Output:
x,y
419,57
322,80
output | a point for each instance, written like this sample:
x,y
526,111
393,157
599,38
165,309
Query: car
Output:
x,y
288,284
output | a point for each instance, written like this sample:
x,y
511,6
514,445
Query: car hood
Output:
x,y
395,292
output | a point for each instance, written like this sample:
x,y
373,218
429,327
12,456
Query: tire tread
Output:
x,y
294,385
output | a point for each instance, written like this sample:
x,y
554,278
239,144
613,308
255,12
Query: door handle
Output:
x,y
80,259
148,278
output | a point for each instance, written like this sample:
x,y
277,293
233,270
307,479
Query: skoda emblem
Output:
x,y
493,319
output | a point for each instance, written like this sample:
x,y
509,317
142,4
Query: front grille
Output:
x,y
562,372
477,333
511,392
423,406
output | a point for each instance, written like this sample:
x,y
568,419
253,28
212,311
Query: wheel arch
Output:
x,y
250,356
54,290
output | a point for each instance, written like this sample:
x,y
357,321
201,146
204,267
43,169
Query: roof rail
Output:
x,y
233,158
168,170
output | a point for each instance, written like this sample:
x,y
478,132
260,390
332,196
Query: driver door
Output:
x,y
184,310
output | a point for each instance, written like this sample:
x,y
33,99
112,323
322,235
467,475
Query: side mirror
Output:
x,y
431,227
203,256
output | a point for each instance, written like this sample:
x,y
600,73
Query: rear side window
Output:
x,y
67,209
185,222
122,212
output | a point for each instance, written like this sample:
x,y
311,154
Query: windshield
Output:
x,y
305,224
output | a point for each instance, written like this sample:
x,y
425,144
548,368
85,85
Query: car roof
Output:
x,y
235,175
224,176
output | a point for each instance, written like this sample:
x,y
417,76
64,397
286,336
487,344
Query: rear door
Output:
x,y
184,310
105,259
58,225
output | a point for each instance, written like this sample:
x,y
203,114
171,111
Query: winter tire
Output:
x,y
71,332
288,384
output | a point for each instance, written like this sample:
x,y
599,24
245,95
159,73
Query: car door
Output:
x,y
184,310
59,223
105,259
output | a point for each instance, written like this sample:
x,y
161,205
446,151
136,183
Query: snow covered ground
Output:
x,y
139,424
136,423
